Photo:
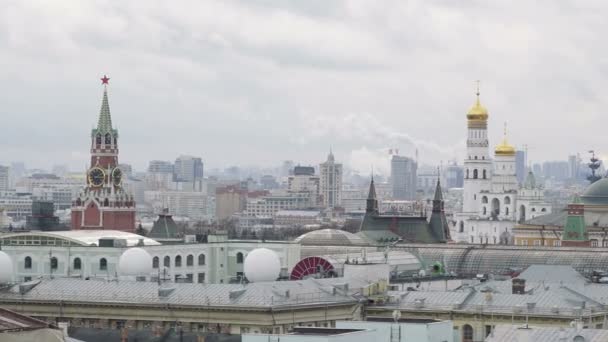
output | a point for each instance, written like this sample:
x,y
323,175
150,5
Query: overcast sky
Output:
x,y
255,82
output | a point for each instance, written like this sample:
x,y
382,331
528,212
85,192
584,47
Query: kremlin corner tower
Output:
x,y
104,203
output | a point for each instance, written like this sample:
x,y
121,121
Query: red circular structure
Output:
x,y
311,266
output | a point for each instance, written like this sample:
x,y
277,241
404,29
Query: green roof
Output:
x,y
596,193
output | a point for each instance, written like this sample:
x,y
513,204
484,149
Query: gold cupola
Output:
x,y
504,149
477,112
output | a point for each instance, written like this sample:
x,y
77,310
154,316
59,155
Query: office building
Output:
x,y
403,177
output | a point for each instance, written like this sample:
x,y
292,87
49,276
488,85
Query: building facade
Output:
x,y
103,203
492,198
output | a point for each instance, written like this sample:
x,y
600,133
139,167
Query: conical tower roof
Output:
x,y
438,194
372,190
104,124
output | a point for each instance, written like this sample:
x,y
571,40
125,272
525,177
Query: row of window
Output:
x,y
189,260
103,262
476,174
77,263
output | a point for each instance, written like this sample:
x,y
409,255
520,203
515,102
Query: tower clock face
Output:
x,y
96,176
117,176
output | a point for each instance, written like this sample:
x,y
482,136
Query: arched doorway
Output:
x,y
495,207
467,333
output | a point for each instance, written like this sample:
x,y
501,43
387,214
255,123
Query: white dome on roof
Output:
x,y
262,264
6,268
330,237
135,262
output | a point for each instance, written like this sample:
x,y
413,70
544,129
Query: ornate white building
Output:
x,y
493,202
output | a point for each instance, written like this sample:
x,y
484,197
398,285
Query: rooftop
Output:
x,y
80,237
334,237
509,333
254,295
12,321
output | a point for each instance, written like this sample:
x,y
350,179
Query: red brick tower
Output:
x,y
103,203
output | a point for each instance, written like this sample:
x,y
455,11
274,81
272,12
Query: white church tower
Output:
x,y
477,164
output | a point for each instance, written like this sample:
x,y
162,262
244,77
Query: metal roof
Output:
x,y
509,333
256,295
88,237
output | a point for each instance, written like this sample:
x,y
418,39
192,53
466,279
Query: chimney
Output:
x,y
519,286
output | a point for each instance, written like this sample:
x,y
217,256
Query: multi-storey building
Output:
x,y
304,181
16,205
104,203
189,169
4,178
331,182
191,204
403,177
267,206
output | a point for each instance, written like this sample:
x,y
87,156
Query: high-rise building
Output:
x,y
556,170
520,166
403,177
160,166
229,200
4,178
574,163
305,181
454,176
331,182
189,169
103,203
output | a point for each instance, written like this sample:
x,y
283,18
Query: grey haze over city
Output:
x,y
258,82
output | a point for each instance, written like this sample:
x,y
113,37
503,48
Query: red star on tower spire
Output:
x,y
105,79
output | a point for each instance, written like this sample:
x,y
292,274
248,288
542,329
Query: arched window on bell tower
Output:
x,y
108,139
98,139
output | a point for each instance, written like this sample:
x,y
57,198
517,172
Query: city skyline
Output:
x,y
228,87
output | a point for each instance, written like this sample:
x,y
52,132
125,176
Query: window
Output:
x,y
484,174
467,333
178,261
98,139
108,139
488,330
167,262
54,263
77,264
523,242
190,260
461,227
506,211
484,199
103,264
543,210
201,278
472,239
594,243
475,174
507,200
155,262
467,175
537,243
239,258
484,210
201,259
27,263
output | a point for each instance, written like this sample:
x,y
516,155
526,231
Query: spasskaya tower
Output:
x,y
104,203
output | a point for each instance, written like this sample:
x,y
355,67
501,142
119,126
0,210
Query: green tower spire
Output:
x,y
104,124
575,230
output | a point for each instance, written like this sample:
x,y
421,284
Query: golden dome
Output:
x,y
504,149
478,112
